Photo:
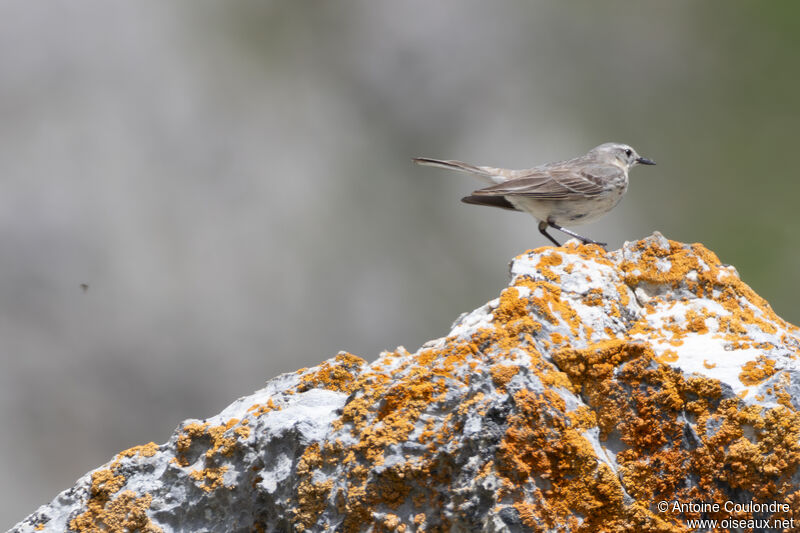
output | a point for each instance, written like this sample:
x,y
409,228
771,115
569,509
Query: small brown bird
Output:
x,y
571,192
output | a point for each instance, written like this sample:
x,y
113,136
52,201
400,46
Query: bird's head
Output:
x,y
619,154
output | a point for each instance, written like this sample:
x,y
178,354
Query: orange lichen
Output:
x,y
557,338
655,464
546,262
143,450
591,252
622,291
337,376
209,444
502,374
668,356
384,412
188,435
540,443
583,417
699,270
695,322
259,409
210,478
512,313
124,512
546,301
593,297
755,372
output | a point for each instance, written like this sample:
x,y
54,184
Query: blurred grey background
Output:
x,y
233,181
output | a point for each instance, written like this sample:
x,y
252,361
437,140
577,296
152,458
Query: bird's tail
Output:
x,y
451,165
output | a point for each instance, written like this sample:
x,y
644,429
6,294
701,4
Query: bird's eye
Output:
x,y
628,152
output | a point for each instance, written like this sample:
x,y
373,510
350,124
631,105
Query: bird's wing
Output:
x,y
558,183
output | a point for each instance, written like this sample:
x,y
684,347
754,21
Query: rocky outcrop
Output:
x,y
595,388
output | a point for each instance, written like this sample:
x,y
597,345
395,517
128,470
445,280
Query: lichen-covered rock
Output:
x,y
596,386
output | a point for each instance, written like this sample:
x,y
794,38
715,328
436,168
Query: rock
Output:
x,y
596,386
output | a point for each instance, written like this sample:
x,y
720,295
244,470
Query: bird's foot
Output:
x,y
590,241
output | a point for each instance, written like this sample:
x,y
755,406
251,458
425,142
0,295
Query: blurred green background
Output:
x,y
234,182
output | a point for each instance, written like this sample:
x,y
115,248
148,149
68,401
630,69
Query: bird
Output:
x,y
564,193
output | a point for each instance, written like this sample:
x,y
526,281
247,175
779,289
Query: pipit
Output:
x,y
565,193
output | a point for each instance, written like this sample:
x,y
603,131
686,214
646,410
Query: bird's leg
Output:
x,y
584,240
543,230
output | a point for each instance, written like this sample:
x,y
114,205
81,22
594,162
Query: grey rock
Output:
x,y
596,385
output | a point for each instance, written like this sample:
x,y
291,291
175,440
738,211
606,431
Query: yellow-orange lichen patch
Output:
x,y
703,387
668,356
695,322
708,365
643,406
546,261
311,496
590,251
259,409
412,394
732,327
338,376
593,297
752,449
410,481
104,484
650,264
698,270
540,443
218,438
597,361
223,443
210,478
502,374
384,411
622,290
583,418
552,377
211,443
188,435
125,512
512,319
758,371
545,299
122,514
781,394
143,450
392,523
678,332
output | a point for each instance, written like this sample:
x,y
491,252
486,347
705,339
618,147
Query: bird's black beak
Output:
x,y
645,161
